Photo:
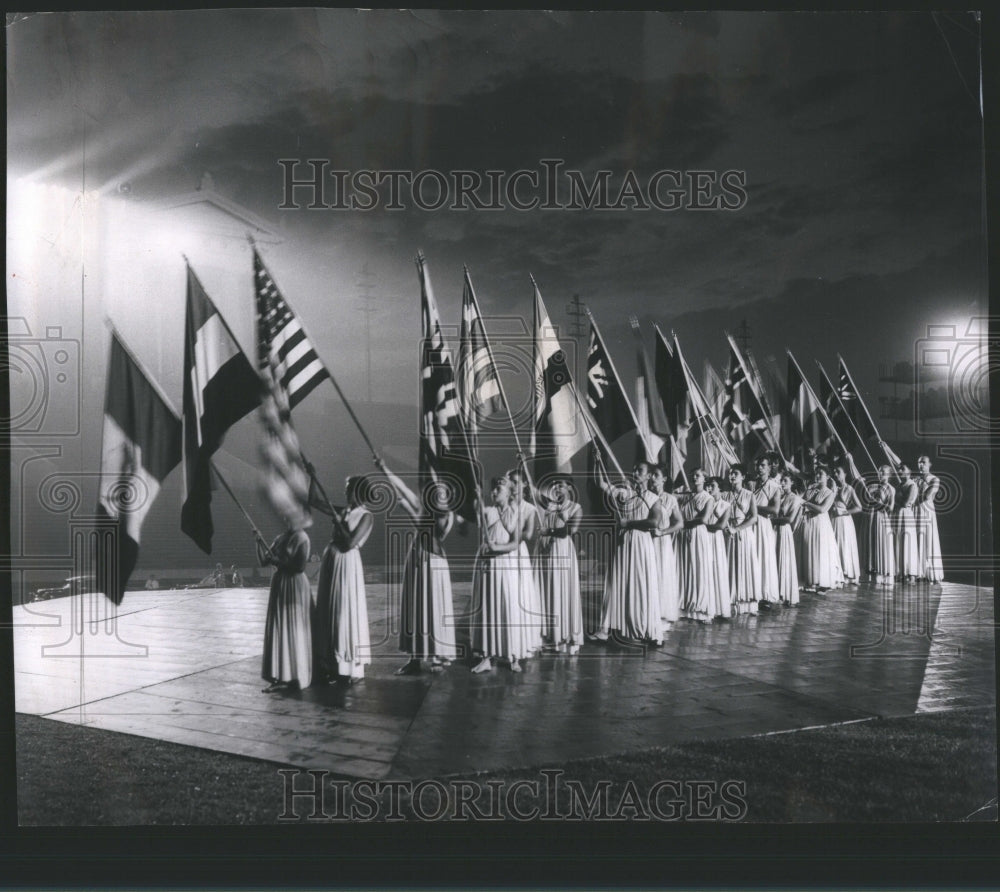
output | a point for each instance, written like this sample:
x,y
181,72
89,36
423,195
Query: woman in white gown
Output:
x,y
845,505
697,570
905,523
744,566
880,546
820,556
426,608
498,622
718,524
787,516
767,494
529,596
341,606
929,542
631,589
288,647
557,569
668,521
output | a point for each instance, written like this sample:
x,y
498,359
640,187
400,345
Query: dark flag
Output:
x,y
606,399
559,431
141,444
671,385
220,387
444,445
835,410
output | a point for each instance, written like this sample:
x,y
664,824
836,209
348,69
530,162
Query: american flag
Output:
x,y
742,411
478,383
444,445
282,345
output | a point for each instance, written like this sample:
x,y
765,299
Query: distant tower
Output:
x,y
366,286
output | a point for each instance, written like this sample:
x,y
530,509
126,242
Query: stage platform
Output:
x,y
184,666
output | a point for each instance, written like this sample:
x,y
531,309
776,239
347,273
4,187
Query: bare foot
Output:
x,y
483,665
515,666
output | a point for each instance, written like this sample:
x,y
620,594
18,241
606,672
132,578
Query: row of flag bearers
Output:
x,y
719,544
712,552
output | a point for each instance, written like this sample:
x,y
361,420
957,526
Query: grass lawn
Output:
x,y
933,767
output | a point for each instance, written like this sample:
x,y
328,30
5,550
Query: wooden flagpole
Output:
x,y
871,421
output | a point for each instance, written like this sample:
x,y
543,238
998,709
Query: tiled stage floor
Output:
x,y
184,666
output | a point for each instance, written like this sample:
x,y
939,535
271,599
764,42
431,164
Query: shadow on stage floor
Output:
x,y
184,666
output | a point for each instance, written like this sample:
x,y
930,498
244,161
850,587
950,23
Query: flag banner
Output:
x,y
854,405
671,385
220,388
653,426
445,450
705,429
141,444
290,369
835,410
715,391
742,410
807,427
281,341
285,483
478,379
559,431
606,399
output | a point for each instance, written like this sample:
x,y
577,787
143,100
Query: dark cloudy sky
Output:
x,y
860,135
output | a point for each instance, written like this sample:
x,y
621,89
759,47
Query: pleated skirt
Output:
x,y
669,586
288,652
698,573
498,622
881,547
847,545
820,556
767,558
907,544
720,596
788,571
426,608
558,581
529,598
929,545
342,612
744,570
631,590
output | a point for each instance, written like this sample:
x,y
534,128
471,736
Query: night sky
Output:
x,y
860,136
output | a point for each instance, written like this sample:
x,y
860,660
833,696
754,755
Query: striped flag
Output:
x,y
281,342
445,451
141,444
220,387
559,431
478,382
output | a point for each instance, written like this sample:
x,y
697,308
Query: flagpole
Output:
x,y
850,421
871,421
419,261
611,363
333,381
169,405
716,426
819,402
503,392
595,431
532,443
647,434
760,405
239,504
142,368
